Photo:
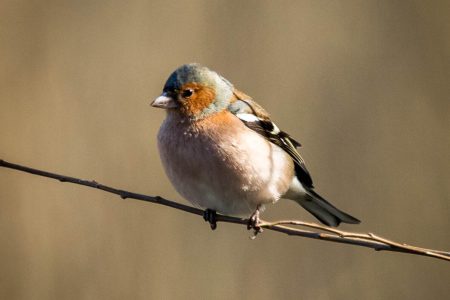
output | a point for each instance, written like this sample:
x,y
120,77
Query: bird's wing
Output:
x,y
257,119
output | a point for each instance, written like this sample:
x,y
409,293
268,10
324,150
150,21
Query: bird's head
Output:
x,y
195,91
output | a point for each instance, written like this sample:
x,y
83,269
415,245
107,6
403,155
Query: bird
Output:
x,y
221,151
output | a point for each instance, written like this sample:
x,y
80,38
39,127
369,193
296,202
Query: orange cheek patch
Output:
x,y
202,97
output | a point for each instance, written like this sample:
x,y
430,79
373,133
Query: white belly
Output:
x,y
232,172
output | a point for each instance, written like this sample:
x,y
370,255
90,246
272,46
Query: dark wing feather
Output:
x,y
257,119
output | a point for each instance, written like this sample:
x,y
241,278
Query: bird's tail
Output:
x,y
324,210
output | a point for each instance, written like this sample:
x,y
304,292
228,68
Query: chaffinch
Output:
x,y
222,152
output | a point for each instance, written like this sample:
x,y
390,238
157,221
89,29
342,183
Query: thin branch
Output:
x,y
330,234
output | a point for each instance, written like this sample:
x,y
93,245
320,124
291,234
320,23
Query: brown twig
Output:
x,y
368,240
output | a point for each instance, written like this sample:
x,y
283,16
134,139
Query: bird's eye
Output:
x,y
187,93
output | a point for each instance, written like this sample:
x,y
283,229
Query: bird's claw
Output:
x,y
254,223
210,216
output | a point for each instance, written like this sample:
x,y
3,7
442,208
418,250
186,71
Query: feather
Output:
x,y
257,119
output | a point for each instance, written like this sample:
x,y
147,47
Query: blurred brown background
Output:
x,y
364,85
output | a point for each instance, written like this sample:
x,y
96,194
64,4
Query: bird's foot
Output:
x,y
210,216
254,222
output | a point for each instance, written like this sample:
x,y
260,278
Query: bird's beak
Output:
x,y
164,101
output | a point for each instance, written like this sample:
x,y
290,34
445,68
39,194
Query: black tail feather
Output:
x,y
324,211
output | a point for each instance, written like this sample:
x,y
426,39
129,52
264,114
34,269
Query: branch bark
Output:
x,y
321,232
